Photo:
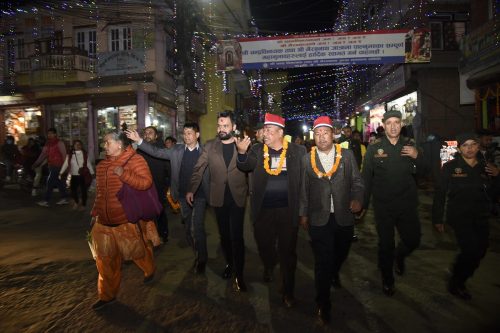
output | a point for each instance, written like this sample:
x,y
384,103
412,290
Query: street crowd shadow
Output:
x,y
120,315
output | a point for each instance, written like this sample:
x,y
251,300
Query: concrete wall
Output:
x,y
440,103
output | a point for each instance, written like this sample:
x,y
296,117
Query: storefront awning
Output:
x,y
485,77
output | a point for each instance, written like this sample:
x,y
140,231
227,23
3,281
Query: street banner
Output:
x,y
328,49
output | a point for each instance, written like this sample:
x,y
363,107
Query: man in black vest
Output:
x,y
274,196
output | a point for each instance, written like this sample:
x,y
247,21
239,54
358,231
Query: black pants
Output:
x,y
406,221
273,228
472,240
162,221
331,244
230,222
77,184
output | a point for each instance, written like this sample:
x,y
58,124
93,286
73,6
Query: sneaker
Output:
x,y
100,303
63,201
43,203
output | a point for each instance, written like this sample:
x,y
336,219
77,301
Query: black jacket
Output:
x,y
469,190
254,163
159,171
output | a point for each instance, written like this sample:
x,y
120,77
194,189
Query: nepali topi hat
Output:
x,y
273,119
323,121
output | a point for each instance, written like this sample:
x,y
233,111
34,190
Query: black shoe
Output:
x,y
324,316
268,275
164,238
149,279
100,304
226,274
354,238
239,284
399,268
388,289
199,268
288,301
336,282
458,290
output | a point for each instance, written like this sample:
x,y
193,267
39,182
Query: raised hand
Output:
x,y
132,135
243,144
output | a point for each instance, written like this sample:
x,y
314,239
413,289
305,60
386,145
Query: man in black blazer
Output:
x,y
331,192
274,168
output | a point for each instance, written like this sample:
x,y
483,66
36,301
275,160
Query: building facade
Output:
x,y
88,70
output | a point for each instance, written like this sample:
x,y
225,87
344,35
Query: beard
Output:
x,y
224,135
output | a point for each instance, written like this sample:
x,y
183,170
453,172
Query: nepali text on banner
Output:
x,y
352,48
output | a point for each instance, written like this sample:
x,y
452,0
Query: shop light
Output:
x,y
304,128
30,109
367,108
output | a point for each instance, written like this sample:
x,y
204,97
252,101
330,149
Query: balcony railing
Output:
x,y
69,58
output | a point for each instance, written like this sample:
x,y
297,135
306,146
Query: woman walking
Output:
x,y
77,159
114,237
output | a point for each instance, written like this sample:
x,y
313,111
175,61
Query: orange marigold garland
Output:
x,y
277,171
335,166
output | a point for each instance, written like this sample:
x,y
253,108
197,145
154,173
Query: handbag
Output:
x,y
84,171
139,204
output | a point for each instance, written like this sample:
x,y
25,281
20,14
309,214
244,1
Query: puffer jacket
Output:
x,y
107,208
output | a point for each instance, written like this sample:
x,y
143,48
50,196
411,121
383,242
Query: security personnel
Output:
x,y
390,165
469,184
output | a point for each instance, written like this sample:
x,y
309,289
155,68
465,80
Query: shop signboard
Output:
x,y
326,49
448,151
121,63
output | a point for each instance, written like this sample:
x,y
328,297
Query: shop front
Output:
x,y
22,123
71,122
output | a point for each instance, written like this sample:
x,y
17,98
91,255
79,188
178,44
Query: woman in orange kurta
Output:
x,y
114,237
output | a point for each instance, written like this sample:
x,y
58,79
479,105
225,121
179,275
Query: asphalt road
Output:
x,y
48,283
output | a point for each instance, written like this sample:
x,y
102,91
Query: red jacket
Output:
x,y
54,151
135,173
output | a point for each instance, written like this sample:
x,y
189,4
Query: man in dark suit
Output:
x,y
159,171
274,196
331,192
182,159
228,192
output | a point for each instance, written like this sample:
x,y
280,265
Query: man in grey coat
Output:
x,y
182,158
331,192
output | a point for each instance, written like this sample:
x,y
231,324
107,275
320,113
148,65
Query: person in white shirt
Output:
x,y
77,159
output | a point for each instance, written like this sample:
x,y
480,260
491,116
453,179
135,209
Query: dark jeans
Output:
x,y
273,228
472,240
53,180
406,221
78,183
230,222
194,224
331,244
162,221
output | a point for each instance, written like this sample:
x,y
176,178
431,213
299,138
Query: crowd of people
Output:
x,y
322,187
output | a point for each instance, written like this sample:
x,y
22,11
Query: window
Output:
x,y
92,44
436,35
120,38
20,48
85,40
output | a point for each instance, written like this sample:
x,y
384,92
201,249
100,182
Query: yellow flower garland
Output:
x,y
335,166
277,171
